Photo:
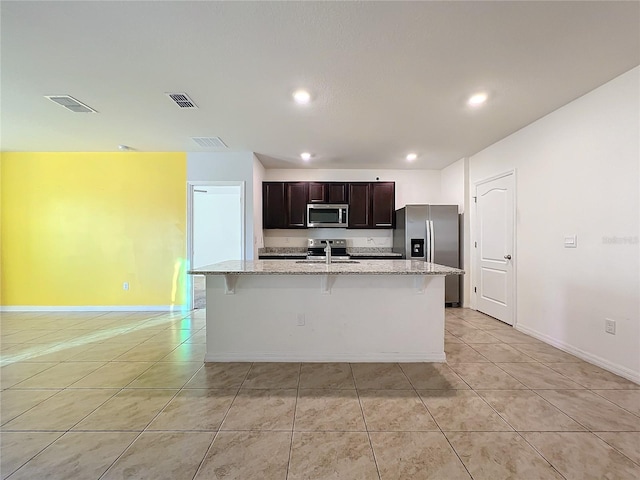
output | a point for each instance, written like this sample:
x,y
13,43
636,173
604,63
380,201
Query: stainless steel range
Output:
x,y
316,249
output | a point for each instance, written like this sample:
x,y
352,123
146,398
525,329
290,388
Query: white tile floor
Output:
x,y
126,395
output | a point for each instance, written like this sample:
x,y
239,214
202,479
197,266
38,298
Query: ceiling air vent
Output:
x,y
70,103
209,142
182,100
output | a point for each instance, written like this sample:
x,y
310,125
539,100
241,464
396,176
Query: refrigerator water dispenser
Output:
x,y
417,247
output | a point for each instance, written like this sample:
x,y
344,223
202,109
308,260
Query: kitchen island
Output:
x,y
347,311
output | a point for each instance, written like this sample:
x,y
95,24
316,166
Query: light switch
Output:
x,y
570,241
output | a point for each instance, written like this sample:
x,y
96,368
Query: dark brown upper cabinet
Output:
x,y
372,205
360,205
284,205
327,192
318,193
383,204
274,214
296,197
338,192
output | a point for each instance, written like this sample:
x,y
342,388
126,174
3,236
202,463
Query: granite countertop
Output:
x,y
297,267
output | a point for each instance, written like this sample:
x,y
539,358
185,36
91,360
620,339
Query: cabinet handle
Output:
x,y
383,224
507,257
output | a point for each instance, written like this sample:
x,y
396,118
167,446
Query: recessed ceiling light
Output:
x,y
412,156
302,97
306,156
477,99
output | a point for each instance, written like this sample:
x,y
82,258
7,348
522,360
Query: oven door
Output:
x,y
327,215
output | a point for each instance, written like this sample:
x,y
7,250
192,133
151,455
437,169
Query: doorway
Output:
x,y
215,230
494,247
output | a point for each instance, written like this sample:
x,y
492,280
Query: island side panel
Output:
x,y
364,318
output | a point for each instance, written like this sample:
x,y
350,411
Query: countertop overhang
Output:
x,y
300,267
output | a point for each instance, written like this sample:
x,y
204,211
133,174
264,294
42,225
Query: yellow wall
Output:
x,y
75,226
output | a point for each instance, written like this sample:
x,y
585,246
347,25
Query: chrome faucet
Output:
x,y
327,251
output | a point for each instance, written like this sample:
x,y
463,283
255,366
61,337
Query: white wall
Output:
x,y
452,184
577,173
454,181
412,186
228,166
258,178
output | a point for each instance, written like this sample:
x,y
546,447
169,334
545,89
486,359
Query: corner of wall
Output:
x,y
258,178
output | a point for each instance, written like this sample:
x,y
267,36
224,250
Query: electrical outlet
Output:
x,y
301,320
125,286
610,326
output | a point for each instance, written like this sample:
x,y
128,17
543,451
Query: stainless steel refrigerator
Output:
x,y
431,233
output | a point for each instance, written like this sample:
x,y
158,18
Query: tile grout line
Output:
x,y
135,438
215,436
293,424
587,430
144,429
436,421
616,448
38,453
506,421
364,420
63,432
217,432
595,392
3,423
540,453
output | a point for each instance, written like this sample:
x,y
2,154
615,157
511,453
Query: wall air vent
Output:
x,y
182,100
209,142
70,103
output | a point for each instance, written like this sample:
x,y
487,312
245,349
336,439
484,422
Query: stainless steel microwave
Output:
x,y
327,215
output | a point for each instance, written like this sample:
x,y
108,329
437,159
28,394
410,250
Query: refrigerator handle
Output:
x,y
432,246
427,250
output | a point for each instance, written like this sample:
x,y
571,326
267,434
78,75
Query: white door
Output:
x,y
495,240
217,223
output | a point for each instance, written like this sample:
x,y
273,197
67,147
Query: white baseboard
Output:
x,y
97,308
326,357
586,356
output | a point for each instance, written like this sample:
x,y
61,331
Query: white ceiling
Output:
x,y
386,78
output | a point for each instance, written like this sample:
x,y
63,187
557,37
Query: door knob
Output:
x,y
507,257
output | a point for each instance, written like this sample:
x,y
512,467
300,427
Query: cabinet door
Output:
x,y
383,204
274,214
296,195
359,205
317,192
337,192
